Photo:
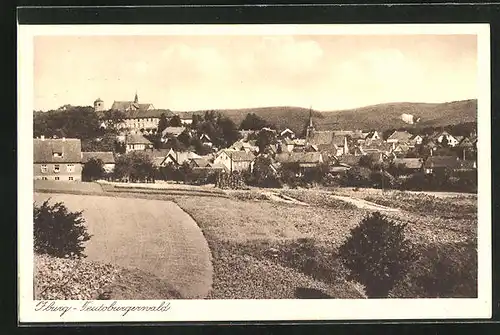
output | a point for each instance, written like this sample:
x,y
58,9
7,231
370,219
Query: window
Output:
x,y
43,168
58,154
70,178
44,178
57,168
70,167
56,178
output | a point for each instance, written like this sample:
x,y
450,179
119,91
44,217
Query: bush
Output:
x,y
377,254
357,177
59,232
93,169
382,179
444,270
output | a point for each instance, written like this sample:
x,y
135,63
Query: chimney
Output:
x,y
64,139
42,138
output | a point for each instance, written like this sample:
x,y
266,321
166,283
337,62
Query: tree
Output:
x,y
134,166
93,169
73,122
107,142
59,232
175,121
262,174
265,138
377,254
162,123
254,122
113,120
185,138
357,176
230,133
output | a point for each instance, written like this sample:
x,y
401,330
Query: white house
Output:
x,y
234,160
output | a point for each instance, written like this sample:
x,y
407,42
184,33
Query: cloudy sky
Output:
x,y
207,72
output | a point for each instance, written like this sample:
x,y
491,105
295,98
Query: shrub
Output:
x,y
59,232
357,177
382,179
377,254
444,270
93,169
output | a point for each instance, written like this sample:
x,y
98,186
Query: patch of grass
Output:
x,y
242,236
319,199
248,195
447,208
67,186
153,236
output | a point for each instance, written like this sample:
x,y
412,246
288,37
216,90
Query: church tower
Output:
x,y
310,127
98,105
136,98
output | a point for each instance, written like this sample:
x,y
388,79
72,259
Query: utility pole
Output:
x,y
231,163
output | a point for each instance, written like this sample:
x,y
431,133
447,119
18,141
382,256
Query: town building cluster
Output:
x,y
62,159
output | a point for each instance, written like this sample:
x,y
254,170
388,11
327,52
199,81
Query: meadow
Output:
x,y
260,248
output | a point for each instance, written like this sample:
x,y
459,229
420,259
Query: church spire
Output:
x,y
136,98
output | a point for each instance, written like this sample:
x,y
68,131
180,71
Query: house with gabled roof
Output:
x,y
444,136
137,142
303,159
287,133
235,160
57,159
415,140
178,158
399,136
372,135
171,132
401,149
408,165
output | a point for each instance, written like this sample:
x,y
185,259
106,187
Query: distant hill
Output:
x,y
283,117
380,117
386,116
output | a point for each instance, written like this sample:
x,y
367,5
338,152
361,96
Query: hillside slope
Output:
x,y
384,116
381,116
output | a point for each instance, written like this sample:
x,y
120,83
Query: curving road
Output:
x,y
153,235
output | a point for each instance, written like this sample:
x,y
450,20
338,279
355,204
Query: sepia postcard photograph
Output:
x,y
254,172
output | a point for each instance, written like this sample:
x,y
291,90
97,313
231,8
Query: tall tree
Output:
x,y
265,138
230,133
175,121
254,122
163,123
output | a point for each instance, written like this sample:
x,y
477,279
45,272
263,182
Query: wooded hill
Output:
x,y
380,117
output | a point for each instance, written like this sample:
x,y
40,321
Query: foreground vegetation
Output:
x,y
263,248
250,237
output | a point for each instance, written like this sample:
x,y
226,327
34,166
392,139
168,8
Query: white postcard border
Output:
x,y
254,310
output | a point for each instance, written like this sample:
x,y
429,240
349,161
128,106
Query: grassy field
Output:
x,y
150,235
266,249
258,244
251,243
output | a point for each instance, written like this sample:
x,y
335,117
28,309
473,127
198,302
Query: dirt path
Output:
x,y
363,204
152,235
282,198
